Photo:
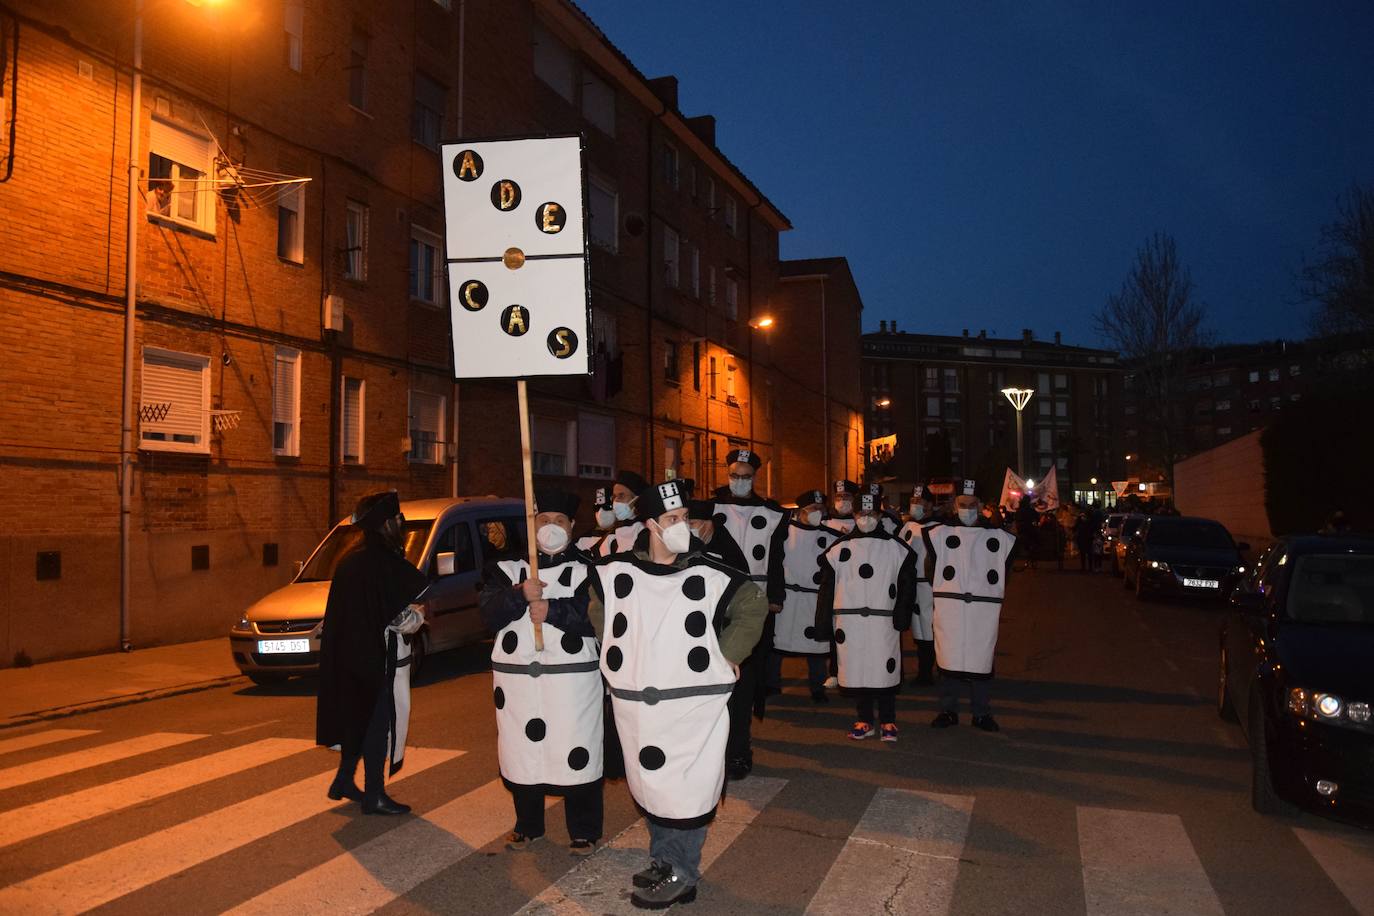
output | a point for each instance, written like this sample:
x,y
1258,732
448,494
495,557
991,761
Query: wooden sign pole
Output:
x,y
526,459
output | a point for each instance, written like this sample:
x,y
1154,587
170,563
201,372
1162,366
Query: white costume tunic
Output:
x,y
549,704
757,527
923,622
620,540
968,584
589,543
795,629
669,681
398,660
874,578
841,525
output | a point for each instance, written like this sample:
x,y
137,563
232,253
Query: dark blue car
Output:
x,y
1297,669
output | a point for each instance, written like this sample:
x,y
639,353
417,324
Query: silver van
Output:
x,y
450,540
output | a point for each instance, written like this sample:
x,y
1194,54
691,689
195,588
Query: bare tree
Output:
x,y
1340,282
1157,326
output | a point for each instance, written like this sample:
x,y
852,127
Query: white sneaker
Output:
x,y
831,682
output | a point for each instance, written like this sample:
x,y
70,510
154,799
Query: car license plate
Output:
x,y
282,646
1202,583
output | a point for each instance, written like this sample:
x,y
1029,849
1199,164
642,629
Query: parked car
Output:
x,y
448,539
1126,531
1183,555
1295,668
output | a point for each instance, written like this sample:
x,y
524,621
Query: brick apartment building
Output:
x,y
292,340
941,396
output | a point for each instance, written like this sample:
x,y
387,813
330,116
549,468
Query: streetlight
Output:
x,y
763,323
883,402
1019,398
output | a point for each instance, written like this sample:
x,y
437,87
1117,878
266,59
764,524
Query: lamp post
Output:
x,y
1019,398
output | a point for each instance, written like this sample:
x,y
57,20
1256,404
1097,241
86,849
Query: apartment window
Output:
x,y
1295,371
595,446
670,257
1061,382
1254,375
1223,405
551,442
1129,410
672,457
670,361
1061,408
694,271
553,63
711,285
444,4
1043,408
1042,383
1223,430
1221,379
711,378
951,409
932,376
951,381
178,163
295,28
357,72
604,332
696,366
355,250
427,119
731,215
351,423
1275,403
174,402
932,407
1044,440
427,412
730,383
1273,375
710,197
598,102
603,211
1295,397
1062,463
286,402
426,266
731,298
668,163
290,225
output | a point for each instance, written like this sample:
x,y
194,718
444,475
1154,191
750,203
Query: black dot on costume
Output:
x,y
695,624
865,571
614,658
992,577
839,636
891,665
906,536
565,577
535,729
820,542
994,545
509,642
718,518
892,590
699,659
578,758
651,758
820,560
759,522
844,555
500,698
623,584
759,551
952,542
619,625
809,632
816,578
571,644
694,587
948,573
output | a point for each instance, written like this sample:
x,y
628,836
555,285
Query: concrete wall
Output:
x,y
1227,483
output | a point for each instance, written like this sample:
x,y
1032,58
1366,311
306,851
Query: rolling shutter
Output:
x,y
178,383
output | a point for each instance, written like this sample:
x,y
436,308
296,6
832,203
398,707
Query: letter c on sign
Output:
x,y
474,295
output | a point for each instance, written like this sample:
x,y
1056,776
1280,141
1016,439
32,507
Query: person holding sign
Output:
x,y
675,626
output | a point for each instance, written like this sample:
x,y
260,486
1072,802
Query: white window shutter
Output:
x,y
284,391
179,384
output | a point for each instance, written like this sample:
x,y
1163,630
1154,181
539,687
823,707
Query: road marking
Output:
x,y
24,823
248,728
38,739
1137,862
386,867
1348,861
600,884
91,757
108,875
905,851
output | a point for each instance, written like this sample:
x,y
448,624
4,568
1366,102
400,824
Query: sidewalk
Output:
x,y
52,690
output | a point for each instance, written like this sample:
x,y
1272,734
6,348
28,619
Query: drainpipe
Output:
x,y
825,388
126,425
453,436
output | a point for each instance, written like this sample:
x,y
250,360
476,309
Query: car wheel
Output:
x,y
1225,708
1263,798
264,679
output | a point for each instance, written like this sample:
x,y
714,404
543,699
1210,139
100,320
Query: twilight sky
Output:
x,y
996,165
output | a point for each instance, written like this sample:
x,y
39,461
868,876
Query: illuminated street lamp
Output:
x,y
883,402
763,323
1019,398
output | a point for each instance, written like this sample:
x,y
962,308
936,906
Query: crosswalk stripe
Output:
x,y
91,757
38,739
600,884
1348,861
108,875
372,875
1138,862
905,851
24,823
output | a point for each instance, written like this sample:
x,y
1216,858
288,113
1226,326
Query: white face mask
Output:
x,y
677,538
551,539
741,488
844,506
918,511
812,518
605,518
866,523
968,516
623,511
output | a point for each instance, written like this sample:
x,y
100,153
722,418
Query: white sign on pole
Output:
x,y
516,246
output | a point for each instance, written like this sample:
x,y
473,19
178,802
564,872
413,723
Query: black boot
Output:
x,y
381,803
344,785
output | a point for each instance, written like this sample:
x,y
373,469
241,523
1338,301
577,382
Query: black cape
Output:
x,y
371,585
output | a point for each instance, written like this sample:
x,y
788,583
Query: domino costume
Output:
x,y
620,540
922,622
795,629
867,593
969,566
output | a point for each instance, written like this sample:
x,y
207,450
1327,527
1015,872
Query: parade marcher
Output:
x,y
1052,535
628,486
548,704
675,625
840,519
363,704
759,527
1083,541
868,593
968,565
715,539
1027,530
922,621
890,520
795,627
605,521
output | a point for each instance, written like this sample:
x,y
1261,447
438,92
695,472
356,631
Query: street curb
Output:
x,y
158,693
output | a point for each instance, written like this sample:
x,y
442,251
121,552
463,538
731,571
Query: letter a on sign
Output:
x,y
516,249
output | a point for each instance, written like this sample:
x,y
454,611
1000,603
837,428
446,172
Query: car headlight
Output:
x,y
1159,565
243,625
1327,707
1240,570
1357,712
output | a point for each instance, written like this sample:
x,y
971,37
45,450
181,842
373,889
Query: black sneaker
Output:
x,y
664,894
945,720
737,768
986,723
650,876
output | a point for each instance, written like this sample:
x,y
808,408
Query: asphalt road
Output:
x,y
1112,788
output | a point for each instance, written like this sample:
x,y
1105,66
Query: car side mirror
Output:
x,y
444,563
1243,547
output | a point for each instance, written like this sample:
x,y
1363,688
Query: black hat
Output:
x,y
375,510
744,455
602,498
631,481
701,510
550,499
844,486
661,498
811,496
